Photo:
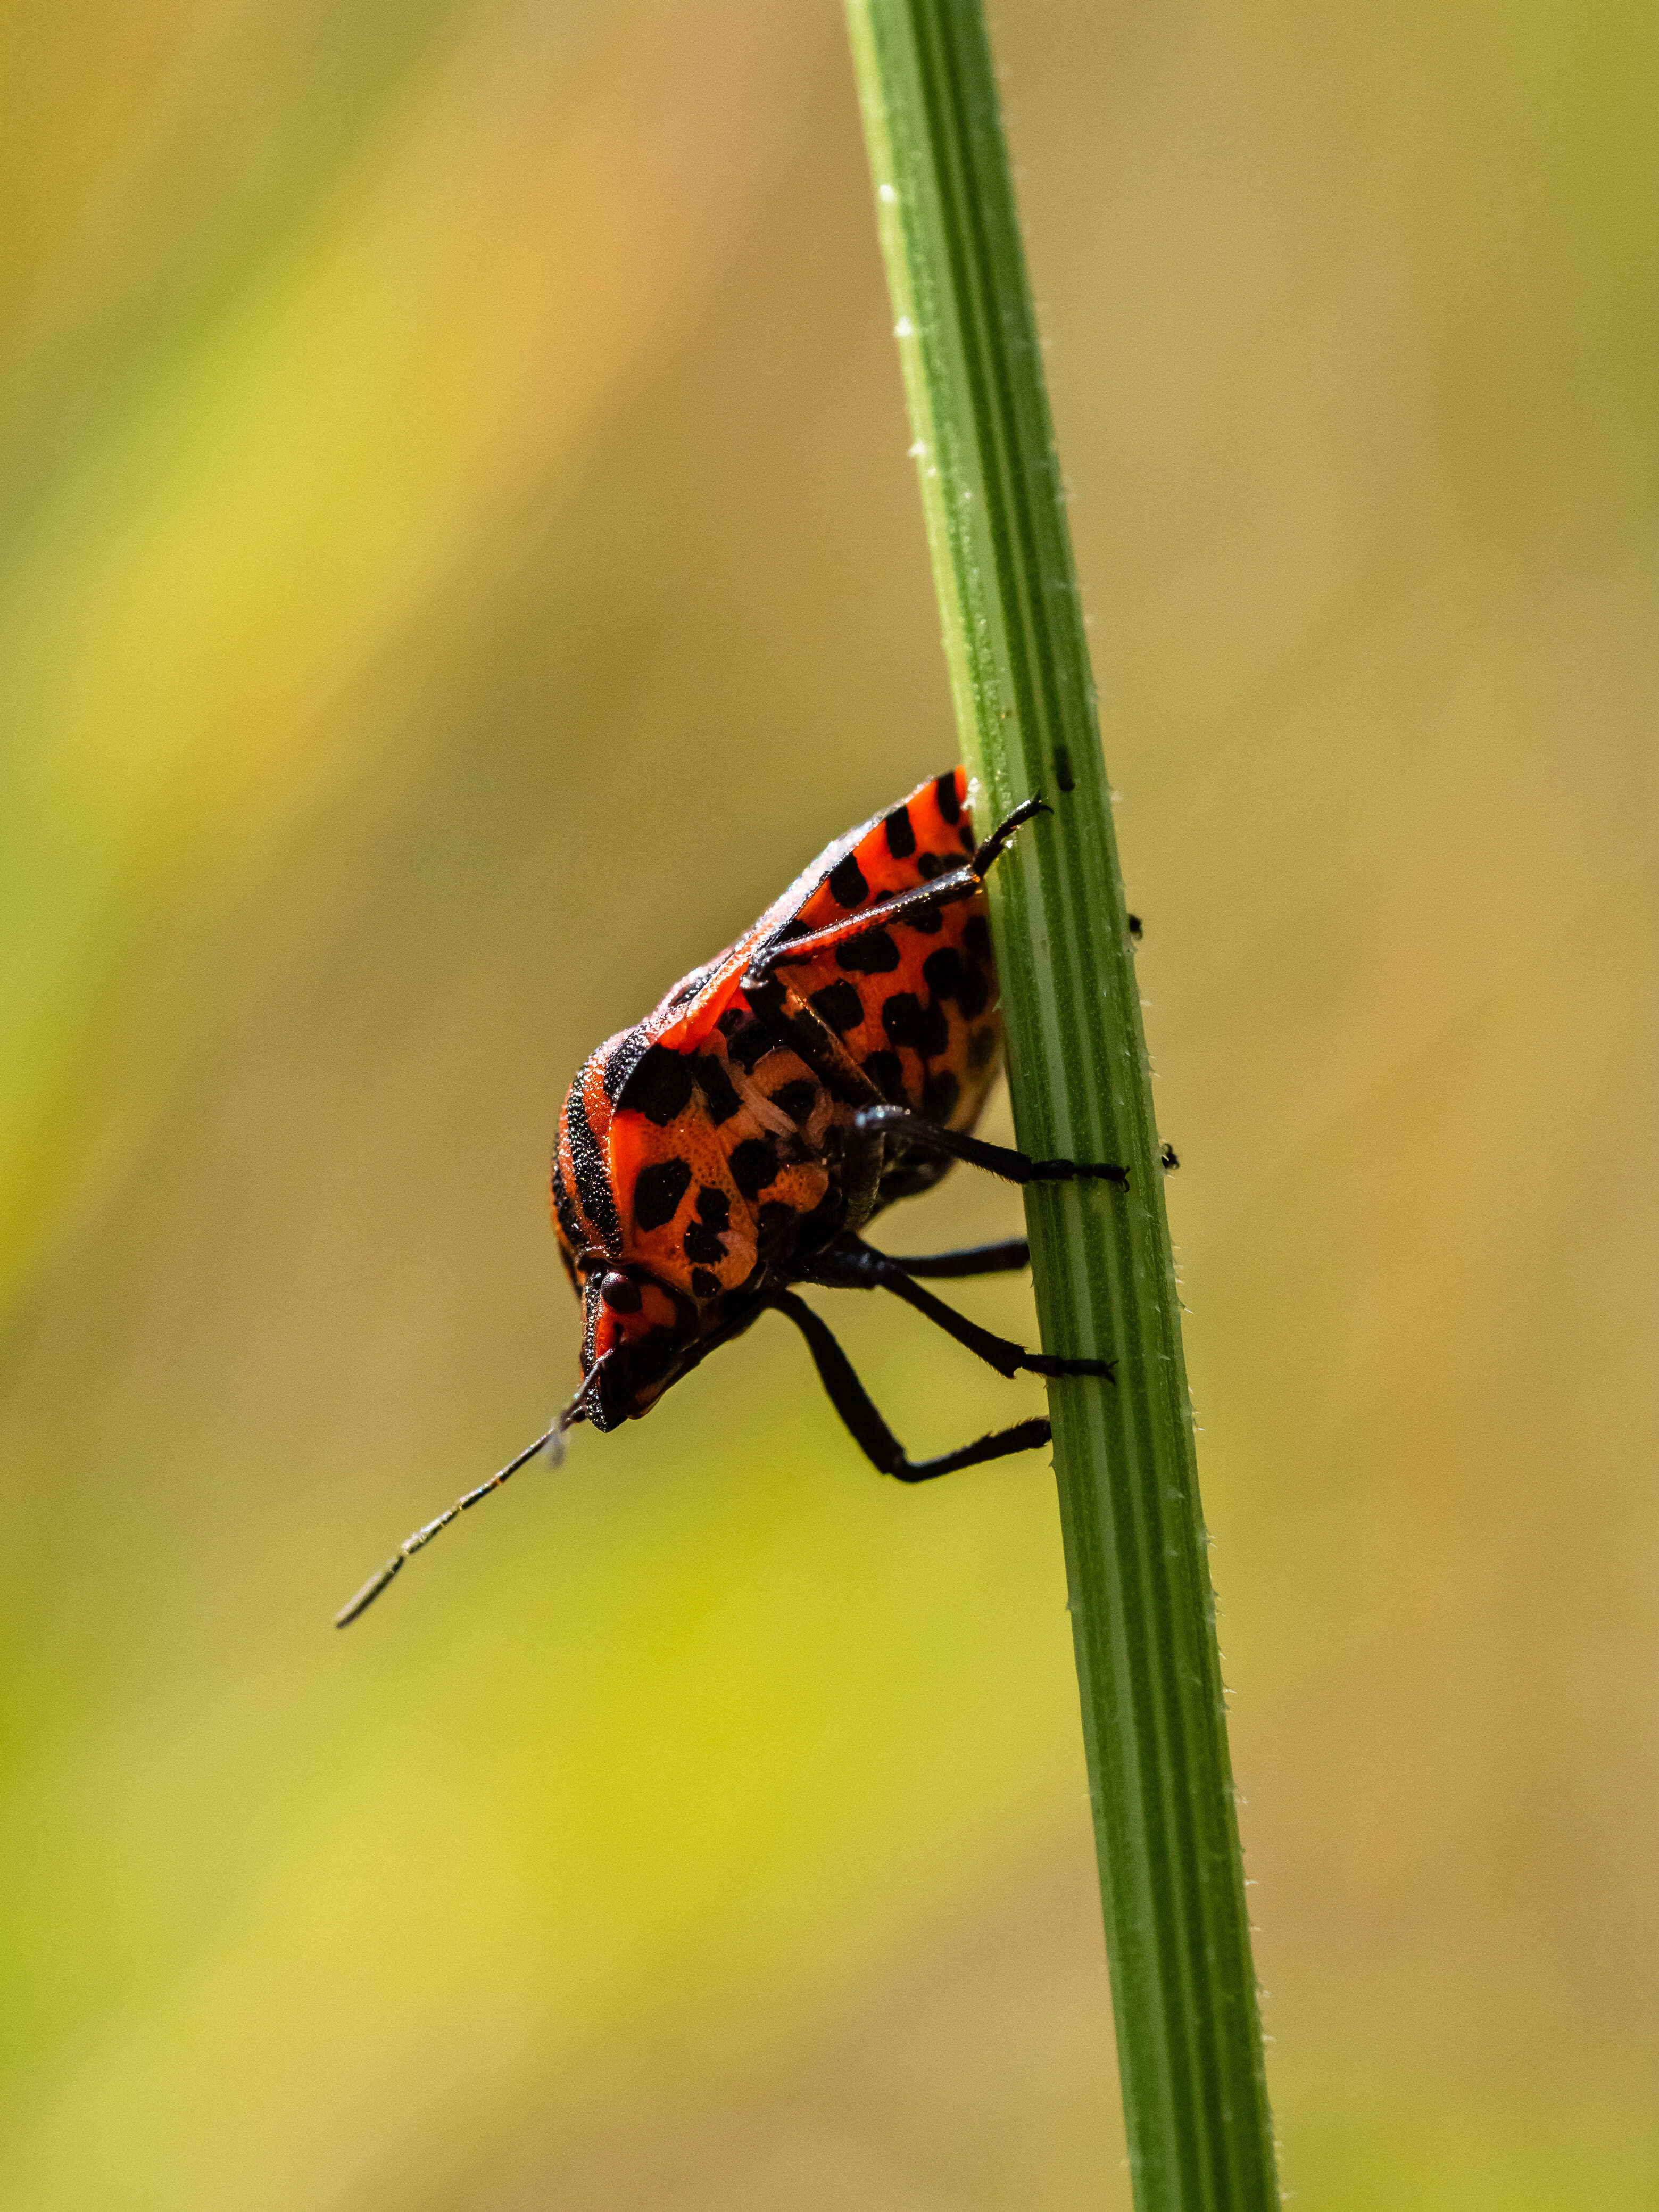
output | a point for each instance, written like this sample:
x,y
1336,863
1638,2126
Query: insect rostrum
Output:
x,y
735,1142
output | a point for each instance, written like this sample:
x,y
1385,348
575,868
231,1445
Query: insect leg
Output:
x,y
854,1266
865,1425
1005,1258
945,891
960,884
999,1159
987,849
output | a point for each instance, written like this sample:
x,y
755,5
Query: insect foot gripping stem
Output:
x,y
715,1153
865,1424
997,1159
853,1266
966,880
1027,810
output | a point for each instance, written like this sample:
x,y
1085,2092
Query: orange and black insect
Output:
x,y
737,1141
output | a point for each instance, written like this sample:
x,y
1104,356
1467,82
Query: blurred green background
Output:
x,y
457,559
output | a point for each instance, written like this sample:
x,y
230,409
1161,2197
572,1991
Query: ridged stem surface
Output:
x,y
1143,1615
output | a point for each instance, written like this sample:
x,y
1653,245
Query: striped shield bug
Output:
x,y
736,1142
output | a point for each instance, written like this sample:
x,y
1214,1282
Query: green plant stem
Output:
x,y
1155,1728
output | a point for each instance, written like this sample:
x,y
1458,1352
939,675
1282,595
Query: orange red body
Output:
x,y
705,1155
732,1144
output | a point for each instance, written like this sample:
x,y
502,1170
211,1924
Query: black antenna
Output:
x,y
378,1580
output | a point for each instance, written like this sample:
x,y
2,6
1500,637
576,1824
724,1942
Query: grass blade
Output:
x,y
1189,2043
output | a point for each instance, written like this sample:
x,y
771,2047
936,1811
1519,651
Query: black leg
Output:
x,y
1005,1258
865,1425
779,951
854,1266
1008,1358
988,849
960,884
999,1159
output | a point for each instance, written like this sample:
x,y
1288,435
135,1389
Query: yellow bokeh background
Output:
x,y
458,560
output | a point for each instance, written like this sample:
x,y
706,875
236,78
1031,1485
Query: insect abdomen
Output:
x,y
914,1005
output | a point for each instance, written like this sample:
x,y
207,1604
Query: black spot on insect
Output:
x,y
701,1245
620,1294
1168,1155
886,1072
901,1017
807,1033
908,1022
716,1086
848,884
928,918
798,1098
1136,927
839,1006
592,1184
704,1284
872,952
751,1040
941,971
753,1164
714,1208
939,1095
981,1049
658,1192
660,1087
965,838
976,938
1063,775
945,796
901,833
973,993
930,865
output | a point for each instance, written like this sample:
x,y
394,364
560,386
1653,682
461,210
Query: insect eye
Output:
x,y
620,1294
